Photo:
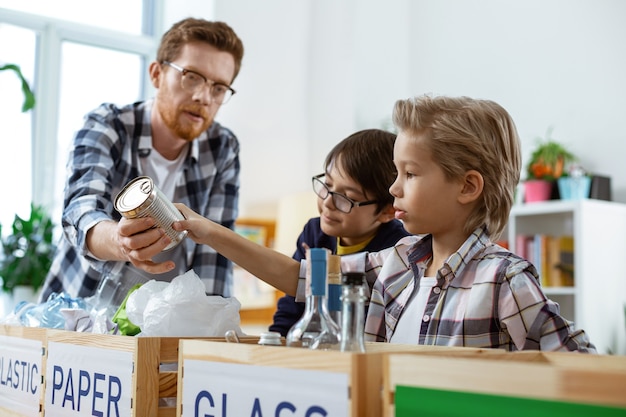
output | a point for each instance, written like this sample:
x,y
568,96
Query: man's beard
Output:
x,y
187,131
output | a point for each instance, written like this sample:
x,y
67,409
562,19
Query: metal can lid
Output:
x,y
135,197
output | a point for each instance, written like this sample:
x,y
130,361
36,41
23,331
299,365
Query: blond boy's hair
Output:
x,y
468,134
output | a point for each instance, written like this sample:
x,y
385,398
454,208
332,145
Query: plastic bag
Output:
x,y
181,308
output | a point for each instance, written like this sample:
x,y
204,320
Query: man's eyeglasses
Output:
x,y
192,81
341,202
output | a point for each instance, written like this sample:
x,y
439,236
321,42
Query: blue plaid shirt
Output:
x,y
105,156
485,296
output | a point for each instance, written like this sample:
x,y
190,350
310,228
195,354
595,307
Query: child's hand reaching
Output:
x,y
198,227
273,267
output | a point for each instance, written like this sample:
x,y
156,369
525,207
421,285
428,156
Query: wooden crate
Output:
x,y
528,382
363,373
142,370
22,394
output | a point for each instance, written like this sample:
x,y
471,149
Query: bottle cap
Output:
x,y
353,278
318,269
270,338
334,270
317,254
334,263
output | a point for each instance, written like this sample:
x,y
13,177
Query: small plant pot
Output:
x,y
574,188
537,190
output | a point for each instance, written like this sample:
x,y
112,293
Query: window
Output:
x,y
117,15
15,126
73,66
90,76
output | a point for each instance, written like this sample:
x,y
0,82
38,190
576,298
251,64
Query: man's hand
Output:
x,y
132,240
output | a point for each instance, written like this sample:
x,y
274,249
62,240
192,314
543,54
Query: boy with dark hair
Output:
x,y
356,209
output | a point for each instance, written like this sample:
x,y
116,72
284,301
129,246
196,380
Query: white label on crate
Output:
x,y
88,381
234,390
20,375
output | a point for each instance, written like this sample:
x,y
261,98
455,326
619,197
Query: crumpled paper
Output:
x,y
181,308
82,321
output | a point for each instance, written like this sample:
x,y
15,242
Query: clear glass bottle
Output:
x,y
334,288
353,312
316,329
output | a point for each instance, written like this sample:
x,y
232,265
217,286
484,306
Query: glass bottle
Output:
x,y
353,312
334,288
315,330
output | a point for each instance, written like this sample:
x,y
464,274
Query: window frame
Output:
x,y
51,33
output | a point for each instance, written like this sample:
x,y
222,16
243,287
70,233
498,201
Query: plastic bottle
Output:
x,y
353,312
316,329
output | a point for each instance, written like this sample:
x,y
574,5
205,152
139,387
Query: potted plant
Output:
x,y
27,252
548,162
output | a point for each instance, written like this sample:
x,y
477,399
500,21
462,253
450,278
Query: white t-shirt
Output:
x,y
164,173
408,327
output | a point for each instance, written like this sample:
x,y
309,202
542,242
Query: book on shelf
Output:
x,y
566,260
552,256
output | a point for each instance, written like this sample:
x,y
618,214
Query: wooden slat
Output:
x,y
33,333
167,412
167,384
596,386
147,360
121,343
266,356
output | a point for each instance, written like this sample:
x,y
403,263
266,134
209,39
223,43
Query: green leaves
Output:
x,y
29,97
549,159
28,251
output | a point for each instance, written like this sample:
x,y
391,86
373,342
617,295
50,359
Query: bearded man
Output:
x,y
172,138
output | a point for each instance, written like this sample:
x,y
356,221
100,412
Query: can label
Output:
x,y
142,198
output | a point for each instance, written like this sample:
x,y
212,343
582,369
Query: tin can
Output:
x,y
141,198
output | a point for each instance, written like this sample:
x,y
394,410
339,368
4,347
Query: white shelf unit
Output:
x,y
597,300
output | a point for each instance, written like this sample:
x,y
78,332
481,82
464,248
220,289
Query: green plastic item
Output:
x,y
125,326
428,402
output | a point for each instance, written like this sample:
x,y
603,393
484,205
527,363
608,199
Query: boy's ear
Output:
x,y
387,214
473,184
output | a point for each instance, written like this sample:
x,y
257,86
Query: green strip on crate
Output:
x,y
426,402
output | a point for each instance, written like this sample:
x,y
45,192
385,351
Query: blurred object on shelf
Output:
x,y
294,210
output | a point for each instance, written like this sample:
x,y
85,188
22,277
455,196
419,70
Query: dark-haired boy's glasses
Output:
x,y
192,81
341,202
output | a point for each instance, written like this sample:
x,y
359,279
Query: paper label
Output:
x,y
234,390
20,375
88,381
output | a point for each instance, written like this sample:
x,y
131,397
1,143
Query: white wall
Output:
x,y
315,71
